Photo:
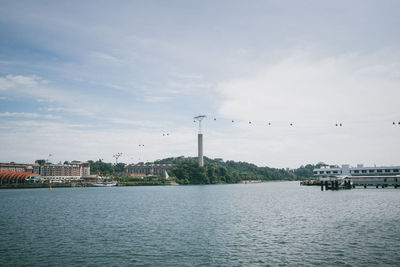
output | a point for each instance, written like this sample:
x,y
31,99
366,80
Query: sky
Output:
x,y
84,80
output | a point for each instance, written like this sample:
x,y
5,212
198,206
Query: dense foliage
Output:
x,y
215,171
105,169
186,171
146,180
41,162
306,172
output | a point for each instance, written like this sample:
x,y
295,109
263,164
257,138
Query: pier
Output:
x,y
345,177
351,182
336,184
376,181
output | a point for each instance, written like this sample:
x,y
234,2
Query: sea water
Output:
x,y
266,224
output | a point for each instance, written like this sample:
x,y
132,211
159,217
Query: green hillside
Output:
x,y
217,171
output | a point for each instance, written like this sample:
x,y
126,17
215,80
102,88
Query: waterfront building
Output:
x,y
58,173
147,169
324,173
54,173
16,167
360,175
18,177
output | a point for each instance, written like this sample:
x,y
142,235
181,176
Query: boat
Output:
x,y
104,184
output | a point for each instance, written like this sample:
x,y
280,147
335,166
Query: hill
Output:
x,y
217,171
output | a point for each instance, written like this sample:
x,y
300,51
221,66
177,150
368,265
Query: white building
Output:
x,y
360,175
58,173
147,169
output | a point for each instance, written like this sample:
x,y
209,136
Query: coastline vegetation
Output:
x,y
186,172
215,171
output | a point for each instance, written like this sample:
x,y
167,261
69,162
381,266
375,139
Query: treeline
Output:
x,y
102,168
186,171
215,171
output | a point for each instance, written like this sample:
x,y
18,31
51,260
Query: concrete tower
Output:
x,y
200,148
200,141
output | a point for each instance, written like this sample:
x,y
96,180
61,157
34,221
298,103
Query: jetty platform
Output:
x,y
351,182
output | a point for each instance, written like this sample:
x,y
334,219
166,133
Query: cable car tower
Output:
x,y
116,156
200,140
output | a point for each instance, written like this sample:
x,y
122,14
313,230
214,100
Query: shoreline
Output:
x,y
74,185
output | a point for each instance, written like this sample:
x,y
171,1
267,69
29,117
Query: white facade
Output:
x,y
58,173
147,169
327,173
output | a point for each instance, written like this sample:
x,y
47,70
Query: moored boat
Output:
x,y
104,184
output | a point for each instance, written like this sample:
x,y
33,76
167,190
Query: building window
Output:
x,y
356,171
371,171
379,170
328,172
364,171
335,172
387,170
321,172
315,172
396,170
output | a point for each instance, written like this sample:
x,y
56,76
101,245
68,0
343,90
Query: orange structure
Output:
x,y
11,177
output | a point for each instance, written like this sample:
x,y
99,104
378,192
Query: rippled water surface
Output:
x,y
279,223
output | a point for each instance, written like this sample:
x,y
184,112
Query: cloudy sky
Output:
x,y
87,79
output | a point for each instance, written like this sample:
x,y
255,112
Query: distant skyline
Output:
x,y
83,80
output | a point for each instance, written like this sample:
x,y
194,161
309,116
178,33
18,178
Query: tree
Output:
x,y
101,168
41,162
119,167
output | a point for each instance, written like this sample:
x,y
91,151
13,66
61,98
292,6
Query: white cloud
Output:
x,y
157,99
191,76
13,81
130,122
72,110
360,91
104,58
42,100
300,88
55,109
34,87
187,86
28,115
70,141
26,85
115,86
